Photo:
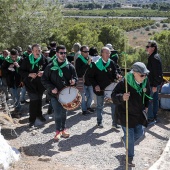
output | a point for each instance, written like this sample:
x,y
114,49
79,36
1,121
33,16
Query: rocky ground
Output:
x,y
88,148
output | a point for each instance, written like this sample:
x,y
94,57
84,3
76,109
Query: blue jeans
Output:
x,y
23,92
153,104
60,114
133,135
99,109
87,97
16,97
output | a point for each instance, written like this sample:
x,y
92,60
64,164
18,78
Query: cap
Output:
x,y
29,48
45,50
140,68
19,49
110,47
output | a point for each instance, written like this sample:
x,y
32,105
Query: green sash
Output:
x,y
84,60
57,67
100,66
34,61
131,81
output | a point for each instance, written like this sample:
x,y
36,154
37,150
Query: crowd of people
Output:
x,y
49,70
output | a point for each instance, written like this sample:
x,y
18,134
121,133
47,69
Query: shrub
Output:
x,y
147,28
149,33
134,37
164,25
153,26
158,24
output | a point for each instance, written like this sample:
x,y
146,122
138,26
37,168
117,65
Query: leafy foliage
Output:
x,y
27,22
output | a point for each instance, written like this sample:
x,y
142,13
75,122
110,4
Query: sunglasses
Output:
x,y
85,51
142,75
62,53
148,46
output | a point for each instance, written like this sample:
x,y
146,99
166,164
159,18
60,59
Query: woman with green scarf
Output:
x,y
138,100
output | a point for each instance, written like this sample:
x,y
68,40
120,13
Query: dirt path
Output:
x,y
88,147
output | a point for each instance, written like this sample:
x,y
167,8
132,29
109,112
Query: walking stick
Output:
x,y
127,132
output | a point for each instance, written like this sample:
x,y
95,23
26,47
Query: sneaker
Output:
x,y
151,122
64,134
130,163
31,125
123,142
99,125
58,135
41,118
90,110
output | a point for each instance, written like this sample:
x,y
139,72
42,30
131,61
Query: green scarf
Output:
x,y
34,62
26,54
9,60
100,66
114,55
139,89
84,60
2,57
57,67
55,56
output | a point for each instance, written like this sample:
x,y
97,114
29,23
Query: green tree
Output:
x,y
26,22
113,35
163,40
81,33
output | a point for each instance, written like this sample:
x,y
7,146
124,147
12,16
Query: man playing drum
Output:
x,y
57,75
103,73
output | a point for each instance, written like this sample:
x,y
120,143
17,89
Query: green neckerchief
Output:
x,y
26,54
57,67
100,66
131,81
55,56
84,60
114,55
9,60
2,57
34,61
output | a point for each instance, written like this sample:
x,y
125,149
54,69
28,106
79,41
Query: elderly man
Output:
x,y
31,71
155,78
102,74
138,100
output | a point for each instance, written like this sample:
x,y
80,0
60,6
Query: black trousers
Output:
x,y
35,106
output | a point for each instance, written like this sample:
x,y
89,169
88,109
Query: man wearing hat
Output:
x,y
138,101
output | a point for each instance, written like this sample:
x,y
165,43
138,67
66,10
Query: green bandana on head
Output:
x,y
100,66
84,60
34,62
131,81
57,67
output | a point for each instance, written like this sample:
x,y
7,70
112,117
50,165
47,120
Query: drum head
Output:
x,y
67,95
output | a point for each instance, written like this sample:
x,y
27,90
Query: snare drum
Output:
x,y
70,98
108,91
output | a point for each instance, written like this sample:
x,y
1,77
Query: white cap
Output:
x,y
110,47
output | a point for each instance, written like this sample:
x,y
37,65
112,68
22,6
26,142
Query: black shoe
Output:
x,y
90,110
99,125
85,113
115,126
50,111
130,163
41,118
151,122
31,124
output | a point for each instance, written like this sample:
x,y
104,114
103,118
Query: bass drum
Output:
x,y
108,91
70,98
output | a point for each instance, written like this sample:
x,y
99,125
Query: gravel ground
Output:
x,y
88,148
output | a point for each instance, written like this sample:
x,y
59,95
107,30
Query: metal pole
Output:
x,y
126,89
